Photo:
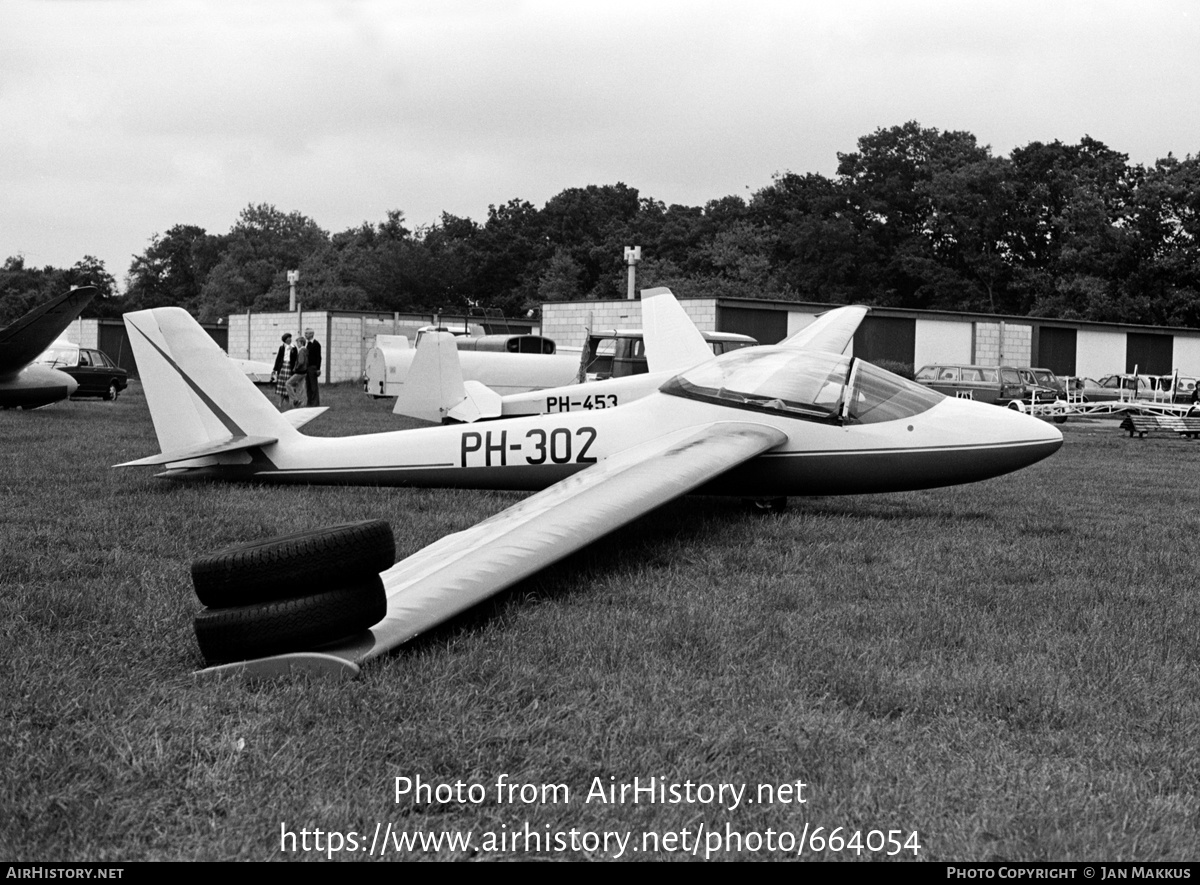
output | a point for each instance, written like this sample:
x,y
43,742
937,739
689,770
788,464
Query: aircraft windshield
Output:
x,y
805,384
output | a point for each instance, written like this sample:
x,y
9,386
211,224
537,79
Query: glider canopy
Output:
x,y
803,384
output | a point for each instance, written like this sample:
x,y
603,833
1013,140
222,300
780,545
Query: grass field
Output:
x,y
1010,670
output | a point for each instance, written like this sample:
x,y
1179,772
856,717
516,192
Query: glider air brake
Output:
x,y
757,422
435,389
22,381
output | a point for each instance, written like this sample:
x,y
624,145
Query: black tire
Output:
x,y
257,631
113,392
295,565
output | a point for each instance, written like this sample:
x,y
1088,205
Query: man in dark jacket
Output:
x,y
314,368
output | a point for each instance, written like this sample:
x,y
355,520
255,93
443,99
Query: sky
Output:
x,y
123,118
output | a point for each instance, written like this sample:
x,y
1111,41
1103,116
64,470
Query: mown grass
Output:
x,y
1008,669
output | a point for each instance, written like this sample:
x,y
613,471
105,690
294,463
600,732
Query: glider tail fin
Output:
x,y
673,343
200,401
434,389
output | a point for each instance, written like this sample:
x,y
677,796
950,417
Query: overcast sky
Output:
x,y
122,118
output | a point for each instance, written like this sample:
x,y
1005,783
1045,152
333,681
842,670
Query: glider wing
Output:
x,y
832,331
464,568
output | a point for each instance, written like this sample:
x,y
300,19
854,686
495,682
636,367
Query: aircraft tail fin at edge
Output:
x,y
673,343
200,401
25,339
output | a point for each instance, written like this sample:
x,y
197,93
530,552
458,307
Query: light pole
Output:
x,y
633,254
292,277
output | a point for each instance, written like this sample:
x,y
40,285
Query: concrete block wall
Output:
x,y
345,338
1009,344
257,336
85,333
564,321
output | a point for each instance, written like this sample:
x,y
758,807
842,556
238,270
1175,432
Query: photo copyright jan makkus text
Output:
x,y
611,790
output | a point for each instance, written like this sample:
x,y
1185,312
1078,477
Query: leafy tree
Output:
x,y
173,269
887,186
24,288
258,251
818,251
560,281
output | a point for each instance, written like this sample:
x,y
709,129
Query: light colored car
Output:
x,y
1122,386
1165,388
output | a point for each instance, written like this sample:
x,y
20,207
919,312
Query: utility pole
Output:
x,y
292,276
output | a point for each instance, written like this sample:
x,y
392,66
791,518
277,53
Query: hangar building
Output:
x,y
920,337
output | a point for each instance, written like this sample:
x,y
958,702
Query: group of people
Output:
x,y
297,370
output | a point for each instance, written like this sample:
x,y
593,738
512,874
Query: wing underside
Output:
x,y
464,568
23,341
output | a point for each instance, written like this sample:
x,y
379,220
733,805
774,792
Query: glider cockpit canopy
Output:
x,y
809,385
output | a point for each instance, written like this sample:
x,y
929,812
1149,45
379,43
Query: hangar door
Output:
x,y
1055,350
1151,354
113,340
764,326
887,340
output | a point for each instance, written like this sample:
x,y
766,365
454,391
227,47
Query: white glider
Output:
x,y
436,389
757,422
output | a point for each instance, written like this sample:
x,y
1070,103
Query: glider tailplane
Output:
x,y
201,403
434,389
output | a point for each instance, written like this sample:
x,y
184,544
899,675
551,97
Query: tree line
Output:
x,y
915,218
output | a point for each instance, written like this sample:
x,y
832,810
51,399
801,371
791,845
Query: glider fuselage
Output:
x,y
953,442
35,386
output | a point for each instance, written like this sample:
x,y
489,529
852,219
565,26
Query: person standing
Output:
x,y
313,347
285,358
298,382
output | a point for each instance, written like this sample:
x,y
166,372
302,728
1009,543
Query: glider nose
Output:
x,y
1026,425
1002,439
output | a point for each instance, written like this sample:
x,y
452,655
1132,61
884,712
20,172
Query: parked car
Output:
x,y
1185,390
93,369
1165,388
1121,387
1046,378
999,385
616,353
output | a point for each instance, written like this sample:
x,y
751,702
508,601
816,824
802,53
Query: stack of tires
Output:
x,y
292,592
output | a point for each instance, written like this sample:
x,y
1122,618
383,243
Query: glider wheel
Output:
x,y
291,566
287,625
767,505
